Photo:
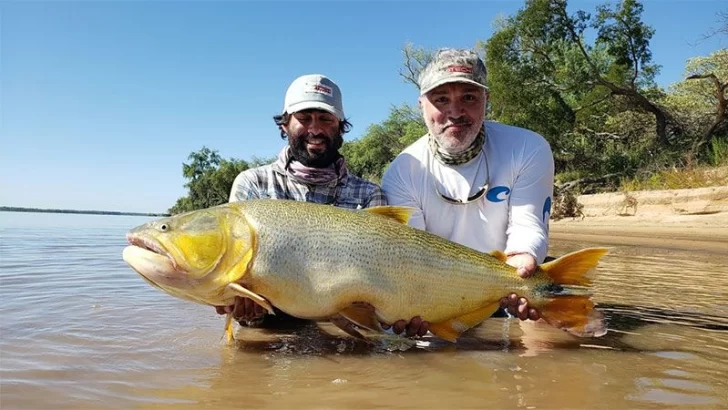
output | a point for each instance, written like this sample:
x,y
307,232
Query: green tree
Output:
x,y
201,162
210,178
701,100
369,156
415,59
540,62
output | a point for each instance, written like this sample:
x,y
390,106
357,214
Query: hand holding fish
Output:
x,y
525,264
416,327
243,309
519,307
516,306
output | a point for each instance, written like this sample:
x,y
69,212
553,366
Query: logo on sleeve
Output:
x,y
546,209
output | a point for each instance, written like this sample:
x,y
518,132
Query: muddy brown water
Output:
x,y
79,329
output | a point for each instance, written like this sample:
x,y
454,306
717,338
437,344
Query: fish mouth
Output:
x,y
145,243
151,246
151,260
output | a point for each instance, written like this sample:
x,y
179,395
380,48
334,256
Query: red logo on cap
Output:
x,y
323,88
460,69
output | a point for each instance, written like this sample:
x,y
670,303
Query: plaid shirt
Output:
x,y
270,181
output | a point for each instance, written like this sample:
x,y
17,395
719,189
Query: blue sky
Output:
x,y
102,101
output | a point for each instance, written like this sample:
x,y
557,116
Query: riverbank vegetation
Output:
x,y
585,80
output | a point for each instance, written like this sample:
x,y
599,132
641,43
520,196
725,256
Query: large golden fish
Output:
x,y
320,262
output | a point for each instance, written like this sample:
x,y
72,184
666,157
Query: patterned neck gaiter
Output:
x,y
461,157
308,175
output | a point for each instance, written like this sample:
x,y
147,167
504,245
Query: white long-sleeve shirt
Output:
x,y
512,216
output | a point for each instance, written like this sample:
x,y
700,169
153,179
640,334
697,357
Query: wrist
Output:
x,y
509,254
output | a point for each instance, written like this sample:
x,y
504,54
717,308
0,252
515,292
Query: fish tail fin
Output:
x,y
571,269
571,308
576,315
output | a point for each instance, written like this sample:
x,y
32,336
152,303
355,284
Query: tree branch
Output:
x,y
721,114
605,98
415,61
566,186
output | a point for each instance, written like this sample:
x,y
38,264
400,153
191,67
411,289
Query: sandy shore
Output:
x,y
684,219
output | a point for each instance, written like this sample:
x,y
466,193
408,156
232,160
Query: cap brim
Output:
x,y
436,84
314,105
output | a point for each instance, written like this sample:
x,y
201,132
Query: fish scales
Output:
x,y
313,263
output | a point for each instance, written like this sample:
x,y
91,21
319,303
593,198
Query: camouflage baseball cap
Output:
x,y
453,65
314,91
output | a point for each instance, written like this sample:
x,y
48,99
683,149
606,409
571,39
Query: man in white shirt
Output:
x,y
478,183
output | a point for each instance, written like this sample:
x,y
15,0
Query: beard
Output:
x,y
316,159
456,142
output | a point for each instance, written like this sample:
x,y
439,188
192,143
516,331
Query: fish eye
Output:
x,y
163,227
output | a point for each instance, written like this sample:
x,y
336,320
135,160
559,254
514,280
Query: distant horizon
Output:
x,y
9,208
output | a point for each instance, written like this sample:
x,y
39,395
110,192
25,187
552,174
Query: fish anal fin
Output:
x,y
362,315
260,300
400,214
571,269
498,254
574,314
451,329
347,326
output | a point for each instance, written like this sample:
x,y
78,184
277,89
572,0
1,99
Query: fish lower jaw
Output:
x,y
155,267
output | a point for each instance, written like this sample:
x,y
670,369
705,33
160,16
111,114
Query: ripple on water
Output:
x,y
79,329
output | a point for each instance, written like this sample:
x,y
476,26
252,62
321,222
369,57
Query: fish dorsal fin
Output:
x,y
400,214
498,254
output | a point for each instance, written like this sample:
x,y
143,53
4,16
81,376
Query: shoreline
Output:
x,y
78,211
678,219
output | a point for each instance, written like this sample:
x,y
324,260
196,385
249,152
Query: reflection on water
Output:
x,y
79,329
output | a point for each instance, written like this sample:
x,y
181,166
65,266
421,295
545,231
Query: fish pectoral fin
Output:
x,y
251,295
400,214
362,315
451,329
229,336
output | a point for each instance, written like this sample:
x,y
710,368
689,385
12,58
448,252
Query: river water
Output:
x,y
80,329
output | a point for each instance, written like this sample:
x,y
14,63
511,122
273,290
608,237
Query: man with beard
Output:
x,y
309,168
479,183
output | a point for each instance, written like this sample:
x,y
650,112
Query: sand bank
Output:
x,y
684,218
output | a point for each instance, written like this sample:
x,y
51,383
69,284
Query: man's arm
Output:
x,y
530,206
376,198
527,232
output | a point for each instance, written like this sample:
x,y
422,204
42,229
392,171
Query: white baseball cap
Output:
x,y
314,91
